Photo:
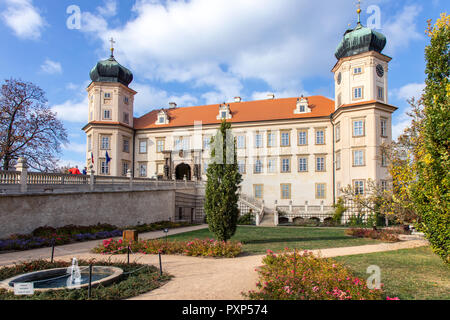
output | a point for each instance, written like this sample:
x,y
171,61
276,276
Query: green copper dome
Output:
x,y
359,40
111,71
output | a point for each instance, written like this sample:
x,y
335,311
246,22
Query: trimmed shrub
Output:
x,y
303,276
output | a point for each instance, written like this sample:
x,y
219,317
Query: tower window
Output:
x,y
105,143
380,93
358,128
358,93
126,117
126,100
126,145
143,146
107,95
357,70
89,143
107,114
125,167
383,124
338,132
104,167
143,170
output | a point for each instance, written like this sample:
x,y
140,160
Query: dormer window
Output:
x,y
162,118
224,112
302,106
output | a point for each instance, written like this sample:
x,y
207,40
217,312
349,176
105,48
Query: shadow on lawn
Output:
x,y
294,239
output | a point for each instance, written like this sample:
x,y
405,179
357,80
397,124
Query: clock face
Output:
x,y
339,78
380,70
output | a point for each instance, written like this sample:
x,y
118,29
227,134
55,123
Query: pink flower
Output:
x,y
394,298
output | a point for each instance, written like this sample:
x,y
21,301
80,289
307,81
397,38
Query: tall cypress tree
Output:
x,y
221,203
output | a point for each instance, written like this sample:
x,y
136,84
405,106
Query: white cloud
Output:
x,y
149,98
70,163
411,90
214,46
51,67
108,9
23,18
73,110
401,29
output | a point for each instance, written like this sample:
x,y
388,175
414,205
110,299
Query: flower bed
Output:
x,y
303,276
195,248
45,236
373,234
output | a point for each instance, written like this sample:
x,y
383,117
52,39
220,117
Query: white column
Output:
x,y
22,167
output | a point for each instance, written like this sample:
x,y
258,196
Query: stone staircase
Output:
x,y
267,220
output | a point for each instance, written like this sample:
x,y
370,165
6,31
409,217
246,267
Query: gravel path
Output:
x,y
205,278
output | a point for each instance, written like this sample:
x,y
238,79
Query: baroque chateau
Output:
x,y
299,149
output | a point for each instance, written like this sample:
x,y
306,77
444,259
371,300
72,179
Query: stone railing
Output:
x,y
306,211
23,181
254,204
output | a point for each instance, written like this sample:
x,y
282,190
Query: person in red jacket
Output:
x,y
74,170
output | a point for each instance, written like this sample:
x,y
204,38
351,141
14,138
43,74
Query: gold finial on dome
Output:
x,y
112,46
359,11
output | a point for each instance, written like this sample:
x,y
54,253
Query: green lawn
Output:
x,y
257,240
410,274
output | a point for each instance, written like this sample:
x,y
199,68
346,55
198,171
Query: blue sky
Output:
x,y
202,51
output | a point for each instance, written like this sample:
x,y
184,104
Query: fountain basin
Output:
x,y
56,279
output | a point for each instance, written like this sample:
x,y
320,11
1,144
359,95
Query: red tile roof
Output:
x,y
262,110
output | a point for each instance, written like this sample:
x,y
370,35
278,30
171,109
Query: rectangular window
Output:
x,y
258,191
320,191
104,167
320,136
241,166
384,160
271,139
338,160
107,95
285,139
358,128
162,120
285,191
302,138
357,93
358,158
271,165
258,166
380,92
126,118
126,100
105,143
240,142
126,145
320,163
258,140
384,185
107,114
224,114
159,145
89,143
177,144
206,142
125,167
303,164
142,146
285,165
338,187
338,132
143,170
383,125
357,70
359,187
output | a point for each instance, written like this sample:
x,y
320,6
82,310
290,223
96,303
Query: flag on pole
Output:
x,y
108,159
92,158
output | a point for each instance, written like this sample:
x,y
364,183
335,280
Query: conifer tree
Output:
x,y
222,187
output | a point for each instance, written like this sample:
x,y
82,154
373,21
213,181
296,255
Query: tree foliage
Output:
x,y
430,193
28,127
221,199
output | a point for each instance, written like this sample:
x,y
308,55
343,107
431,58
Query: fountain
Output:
x,y
73,277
